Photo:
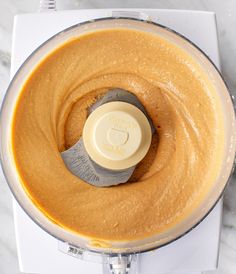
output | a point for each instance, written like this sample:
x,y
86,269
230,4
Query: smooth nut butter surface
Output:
x,y
181,165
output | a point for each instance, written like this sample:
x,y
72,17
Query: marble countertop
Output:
x,y
226,19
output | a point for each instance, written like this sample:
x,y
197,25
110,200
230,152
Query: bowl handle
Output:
x,y
120,264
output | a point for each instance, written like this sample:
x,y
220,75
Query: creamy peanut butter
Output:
x,y
181,165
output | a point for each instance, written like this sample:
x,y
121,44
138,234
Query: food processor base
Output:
x,y
38,252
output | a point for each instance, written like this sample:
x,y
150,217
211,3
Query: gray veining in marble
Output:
x,y
226,18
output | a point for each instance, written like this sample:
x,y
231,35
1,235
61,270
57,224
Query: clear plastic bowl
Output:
x,y
129,246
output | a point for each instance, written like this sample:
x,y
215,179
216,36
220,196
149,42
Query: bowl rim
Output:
x,y
87,23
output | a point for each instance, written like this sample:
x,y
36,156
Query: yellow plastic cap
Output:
x,y
117,135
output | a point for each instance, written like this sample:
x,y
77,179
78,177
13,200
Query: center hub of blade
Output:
x,y
117,135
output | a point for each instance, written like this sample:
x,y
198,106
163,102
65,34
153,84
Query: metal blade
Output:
x,y
80,164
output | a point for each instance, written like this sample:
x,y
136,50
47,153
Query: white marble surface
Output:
x,y
226,18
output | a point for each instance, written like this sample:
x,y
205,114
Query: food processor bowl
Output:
x,y
117,247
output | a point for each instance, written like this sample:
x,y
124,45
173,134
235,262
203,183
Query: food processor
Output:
x,y
120,257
